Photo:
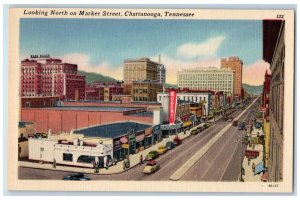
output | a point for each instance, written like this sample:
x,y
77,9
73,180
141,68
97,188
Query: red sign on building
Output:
x,y
172,106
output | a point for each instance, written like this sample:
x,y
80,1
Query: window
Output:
x,y
67,157
86,159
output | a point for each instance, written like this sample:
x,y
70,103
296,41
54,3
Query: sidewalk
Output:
x,y
249,174
115,169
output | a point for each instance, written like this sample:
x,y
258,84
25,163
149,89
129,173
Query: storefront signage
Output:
x,y
172,106
156,129
131,138
171,126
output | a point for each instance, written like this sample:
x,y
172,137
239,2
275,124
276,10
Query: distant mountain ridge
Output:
x,y
92,77
253,89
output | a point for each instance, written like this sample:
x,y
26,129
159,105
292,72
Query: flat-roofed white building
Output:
x,y
210,78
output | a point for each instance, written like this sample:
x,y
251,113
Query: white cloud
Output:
x,y
104,68
205,49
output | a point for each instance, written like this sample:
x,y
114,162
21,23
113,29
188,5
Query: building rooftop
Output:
x,y
94,108
112,130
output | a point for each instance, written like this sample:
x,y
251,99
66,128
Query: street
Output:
x,y
222,162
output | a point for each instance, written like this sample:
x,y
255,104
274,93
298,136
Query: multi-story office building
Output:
x,y
146,90
206,79
51,78
236,65
274,53
161,74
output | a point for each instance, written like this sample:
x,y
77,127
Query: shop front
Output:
x,y
139,141
132,143
157,136
171,129
119,152
148,137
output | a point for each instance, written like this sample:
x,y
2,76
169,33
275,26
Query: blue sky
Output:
x,y
102,44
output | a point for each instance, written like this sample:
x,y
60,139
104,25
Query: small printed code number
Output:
x,y
280,16
273,185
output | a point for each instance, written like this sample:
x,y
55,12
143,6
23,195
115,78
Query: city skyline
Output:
x,y
102,45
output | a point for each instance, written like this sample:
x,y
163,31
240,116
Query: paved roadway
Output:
x,y
221,162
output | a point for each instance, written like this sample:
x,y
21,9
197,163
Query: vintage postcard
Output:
x,y
165,100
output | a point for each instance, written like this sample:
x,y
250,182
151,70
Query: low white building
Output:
x,y
76,153
205,98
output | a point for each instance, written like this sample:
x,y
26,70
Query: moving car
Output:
x,y
76,177
235,123
170,145
177,141
152,155
162,149
151,167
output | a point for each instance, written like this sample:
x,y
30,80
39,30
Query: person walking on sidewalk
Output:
x,y
141,159
253,167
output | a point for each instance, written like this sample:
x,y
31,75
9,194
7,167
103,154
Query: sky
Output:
x,y
101,45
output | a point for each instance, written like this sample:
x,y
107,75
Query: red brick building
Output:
x,y
38,102
51,77
103,91
266,90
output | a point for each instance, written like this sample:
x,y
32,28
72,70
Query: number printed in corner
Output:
x,y
280,16
273,185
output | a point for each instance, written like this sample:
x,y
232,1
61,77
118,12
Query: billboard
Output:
x,y
172,106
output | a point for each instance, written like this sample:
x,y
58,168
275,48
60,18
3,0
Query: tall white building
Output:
x,y
211,78
161,74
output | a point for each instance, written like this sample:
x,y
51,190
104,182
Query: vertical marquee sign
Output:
x,y
172,106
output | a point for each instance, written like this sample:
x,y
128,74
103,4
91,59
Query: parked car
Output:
x,y
235,123
152,155
177,141
162,149
170,145
206,125
76,177
151,167
194,132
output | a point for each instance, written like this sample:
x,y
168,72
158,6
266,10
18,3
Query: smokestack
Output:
x,y
159,59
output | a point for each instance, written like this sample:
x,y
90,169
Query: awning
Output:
x,y
187,123
259,168
139,138
265,177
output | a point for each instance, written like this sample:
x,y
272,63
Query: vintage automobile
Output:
x,y
177,141
152,155
76,177
151,167
170,145
194,132
162,149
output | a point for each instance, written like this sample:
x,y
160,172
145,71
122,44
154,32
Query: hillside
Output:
x,y
91,77
255,90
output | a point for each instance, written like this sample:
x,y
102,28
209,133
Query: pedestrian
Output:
x,y
141,159
253,167
107,163
54,163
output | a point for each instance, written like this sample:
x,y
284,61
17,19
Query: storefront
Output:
x,y
157,136
132,143
139,141
171,129
149,137
119,152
